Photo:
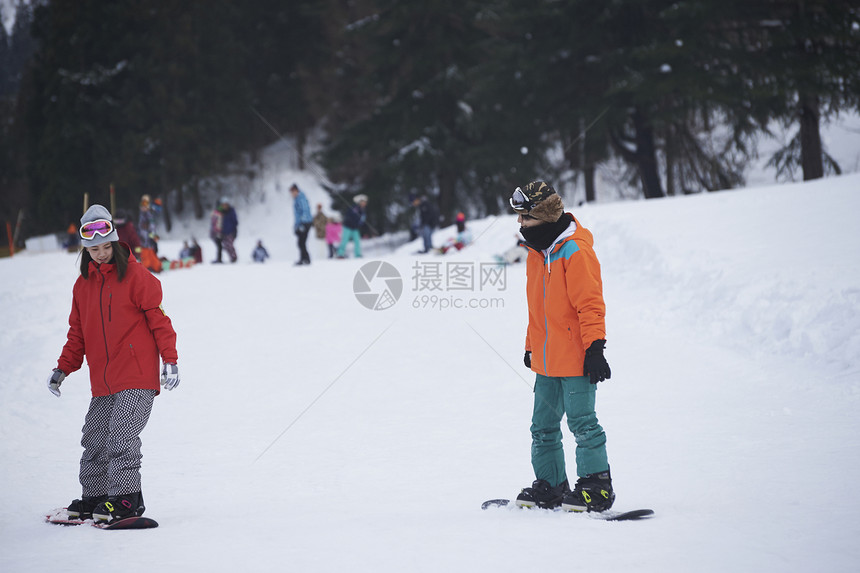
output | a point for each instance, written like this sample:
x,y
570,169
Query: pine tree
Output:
x,y
148,97
812,50
286,65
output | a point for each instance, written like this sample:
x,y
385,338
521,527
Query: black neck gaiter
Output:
x,y
542,236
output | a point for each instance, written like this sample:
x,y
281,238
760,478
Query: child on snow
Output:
x,y
333,230
118,325
515,254
260,254
564,345
463,238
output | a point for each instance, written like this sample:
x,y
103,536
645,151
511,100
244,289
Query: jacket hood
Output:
x,y
582,234
569,232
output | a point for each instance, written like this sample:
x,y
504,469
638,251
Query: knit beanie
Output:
x,y
95,213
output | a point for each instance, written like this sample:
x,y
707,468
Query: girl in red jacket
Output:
x,y
116,322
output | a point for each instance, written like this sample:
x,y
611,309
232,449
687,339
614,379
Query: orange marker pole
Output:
x,y
11,243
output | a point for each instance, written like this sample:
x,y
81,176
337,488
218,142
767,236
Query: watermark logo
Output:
x,y
458,276
455,285
377,285
448,285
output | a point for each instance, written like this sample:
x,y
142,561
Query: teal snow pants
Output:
x,y
555,397
353,235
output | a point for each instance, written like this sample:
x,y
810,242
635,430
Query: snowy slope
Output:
x,y
312,434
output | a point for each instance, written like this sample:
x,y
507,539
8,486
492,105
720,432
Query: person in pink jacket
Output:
x,y
117,324
333,231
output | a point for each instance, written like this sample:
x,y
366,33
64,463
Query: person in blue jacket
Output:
x,y
260,254
229,228
302,223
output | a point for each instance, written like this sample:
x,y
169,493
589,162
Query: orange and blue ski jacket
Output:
x,y
120,328
565,299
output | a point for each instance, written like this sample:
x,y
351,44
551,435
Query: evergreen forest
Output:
x,y
460,100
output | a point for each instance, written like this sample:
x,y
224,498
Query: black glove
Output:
x,y
595,364
527,359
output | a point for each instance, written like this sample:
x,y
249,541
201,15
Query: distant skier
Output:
x,y
126,232
118,325
333,231
426,218
515,254
229,228
146,224
352,223
319,223
302,223
196,251
564,347
216,219
260,253
463,238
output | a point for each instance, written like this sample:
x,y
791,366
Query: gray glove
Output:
x,y
55,380
169,376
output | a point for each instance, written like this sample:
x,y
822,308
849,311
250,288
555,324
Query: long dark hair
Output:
x,y
120,258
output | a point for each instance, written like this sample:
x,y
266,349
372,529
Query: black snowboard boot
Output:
x,y
119,507
83,508
591,493
541,494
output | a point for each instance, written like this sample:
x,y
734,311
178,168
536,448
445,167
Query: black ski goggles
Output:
x,y
520,202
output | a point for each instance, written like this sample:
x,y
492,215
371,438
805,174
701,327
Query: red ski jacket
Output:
x,y
120,328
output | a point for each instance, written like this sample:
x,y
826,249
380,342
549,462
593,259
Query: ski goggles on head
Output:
x,y
520,202
101,227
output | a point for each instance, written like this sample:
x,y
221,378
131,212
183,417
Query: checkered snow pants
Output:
x,y
110,464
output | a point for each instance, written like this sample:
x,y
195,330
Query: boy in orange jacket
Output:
x,y
564,347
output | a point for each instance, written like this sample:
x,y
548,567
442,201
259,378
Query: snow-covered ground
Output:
x,y
310,433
